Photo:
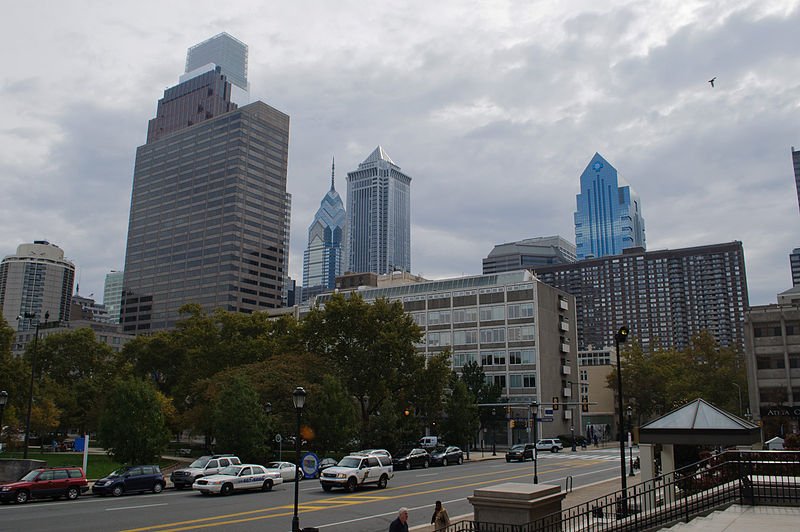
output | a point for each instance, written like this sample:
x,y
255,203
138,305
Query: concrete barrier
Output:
x,y
12,469
516,503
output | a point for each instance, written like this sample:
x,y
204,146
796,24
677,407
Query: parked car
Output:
x,y
324,464
429,442
202,467
357,470
238,478
414,458
287,470
130,479
549,444
521,452
55,482
447,456
374,452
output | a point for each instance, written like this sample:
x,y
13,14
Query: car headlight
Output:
x,y
341,475
5,488
99,483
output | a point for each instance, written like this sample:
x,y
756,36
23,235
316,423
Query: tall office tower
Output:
x,y
322,260
38,279
794,262
539,251
609,215
209,215
378,216
112,295
226,52
796,164
665,296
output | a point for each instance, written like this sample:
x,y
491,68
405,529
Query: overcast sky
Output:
x,y
493,108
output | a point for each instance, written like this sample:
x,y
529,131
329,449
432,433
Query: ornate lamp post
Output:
x,y
620,338
299,398
535,412
3,401
30,316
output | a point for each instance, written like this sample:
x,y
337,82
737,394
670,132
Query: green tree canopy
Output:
x,y
239,419
15,374
461,415
133,426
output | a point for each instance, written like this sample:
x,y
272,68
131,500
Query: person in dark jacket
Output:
x,y
400,524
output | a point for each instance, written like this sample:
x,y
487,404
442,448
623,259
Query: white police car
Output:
x,y
238,477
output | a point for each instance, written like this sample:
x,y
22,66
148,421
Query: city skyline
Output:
x,y
493,111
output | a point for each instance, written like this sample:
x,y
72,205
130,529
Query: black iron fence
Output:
x,y
732,477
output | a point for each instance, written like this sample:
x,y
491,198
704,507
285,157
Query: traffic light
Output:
x,y
555,403
585,405
407,412
512,424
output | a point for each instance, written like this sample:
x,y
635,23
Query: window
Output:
x,y
440,317
521,310
469,336
465,315
521,334
515,381
439,338
419,318
529,380
493,313
462,359
60,474
524,356
493,336
246,471
500,380
223,462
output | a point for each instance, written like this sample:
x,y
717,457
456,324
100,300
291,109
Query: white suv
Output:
x,y
553,445
202,467
357,470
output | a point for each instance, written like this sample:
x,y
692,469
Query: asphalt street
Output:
x,y
368,509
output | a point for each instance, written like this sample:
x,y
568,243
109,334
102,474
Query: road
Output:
x,y
369,509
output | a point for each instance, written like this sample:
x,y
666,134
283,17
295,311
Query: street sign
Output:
x,y
309,465
545,419
278,438
548,412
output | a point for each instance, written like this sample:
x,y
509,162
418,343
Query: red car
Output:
x,y
51,482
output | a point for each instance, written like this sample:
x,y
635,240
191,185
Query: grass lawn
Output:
x,y
98,466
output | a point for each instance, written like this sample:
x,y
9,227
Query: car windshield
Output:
x,y
31,474
119,472
349,461
200,462
230,470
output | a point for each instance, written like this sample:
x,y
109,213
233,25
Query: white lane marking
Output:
x,y
134,507
428,475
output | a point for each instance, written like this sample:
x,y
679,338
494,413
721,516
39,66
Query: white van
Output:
x,y
429,442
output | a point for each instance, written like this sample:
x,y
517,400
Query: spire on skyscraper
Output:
x,y
333,166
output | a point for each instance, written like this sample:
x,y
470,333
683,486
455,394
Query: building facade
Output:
x,y
37,280
323,257
528,253
229,54
209,216
107,333
594,366
378,216
521,331
664,296
87,309
608,218
112,295
796,167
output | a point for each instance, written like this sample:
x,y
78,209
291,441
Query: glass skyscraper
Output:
x,y
322,260
609,214
225,51
112,294
378,216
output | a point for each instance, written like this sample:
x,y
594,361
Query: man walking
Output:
x,y
400,524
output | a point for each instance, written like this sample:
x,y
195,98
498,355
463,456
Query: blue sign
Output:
x,y
79,444
309,465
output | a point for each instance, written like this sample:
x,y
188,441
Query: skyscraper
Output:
x,y
378,216
609,214
226,52
112,295
322,260
539,251
209,212
38,279
796,165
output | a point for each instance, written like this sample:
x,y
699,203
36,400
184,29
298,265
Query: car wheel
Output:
x,y
444,462
351,485
72,493
325,487
117,491
408,466
553,450
383,481
158,487
227,489
425,464
267,485
22,497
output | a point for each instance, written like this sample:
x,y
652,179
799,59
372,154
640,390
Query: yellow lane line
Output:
x,y
332,503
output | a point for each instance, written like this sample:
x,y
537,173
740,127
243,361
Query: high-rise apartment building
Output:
x,y
796,165
794,263
664,296
227,53
322,260
608,218
539,251
378,216
209,213
37,280
112,295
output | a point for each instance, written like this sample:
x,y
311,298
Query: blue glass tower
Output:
x,y
609,215
378,216
322,260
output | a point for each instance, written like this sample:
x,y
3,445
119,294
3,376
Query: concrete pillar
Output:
x,y
667,470
515,503
648,468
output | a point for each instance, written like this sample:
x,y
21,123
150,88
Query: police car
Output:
x,y
236,478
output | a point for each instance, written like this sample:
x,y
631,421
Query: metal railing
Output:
x,y
732,477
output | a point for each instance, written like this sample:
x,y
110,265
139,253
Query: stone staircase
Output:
x,y
738,518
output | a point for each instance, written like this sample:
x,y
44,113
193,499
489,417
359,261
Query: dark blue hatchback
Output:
x,y
130,479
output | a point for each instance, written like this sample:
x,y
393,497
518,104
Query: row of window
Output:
x,y
761,331
496,358
496,335
515,380
471,314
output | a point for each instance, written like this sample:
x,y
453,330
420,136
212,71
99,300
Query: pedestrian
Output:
x,y
400,524
595,440
440,519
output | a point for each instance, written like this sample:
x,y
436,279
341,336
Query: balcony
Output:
x,y
565,348
564,326
563,305
567,392
566,370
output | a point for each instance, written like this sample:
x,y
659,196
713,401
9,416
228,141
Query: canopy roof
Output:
x,y
700,423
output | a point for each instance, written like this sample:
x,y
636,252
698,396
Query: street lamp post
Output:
x,y
299,398
494,433
630,449
31,315
620,338
535,412
3,401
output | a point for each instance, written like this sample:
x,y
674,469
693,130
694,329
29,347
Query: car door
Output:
x,y
43,486
60,482
288,472
134,479
244,479
211,468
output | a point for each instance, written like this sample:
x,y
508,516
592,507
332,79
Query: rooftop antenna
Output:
x,y
333,166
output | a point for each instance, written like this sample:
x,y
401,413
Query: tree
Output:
x,y
426,395
332,416
133,426
461,415
474,379
44,418
238,419
15,374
